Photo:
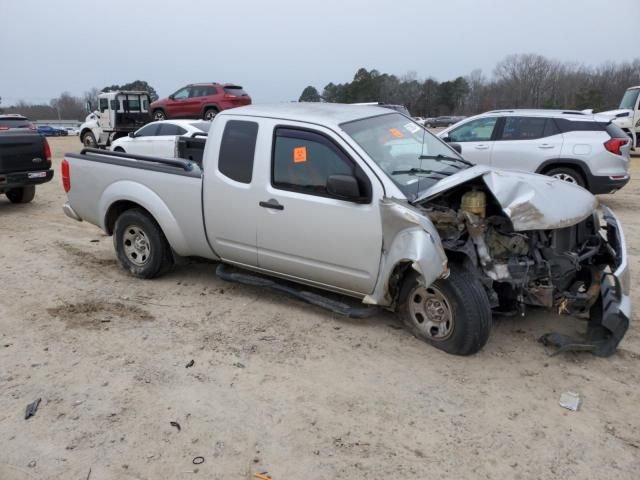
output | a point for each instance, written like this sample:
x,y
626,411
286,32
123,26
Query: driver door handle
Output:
x,y
272,203
481,147
545,145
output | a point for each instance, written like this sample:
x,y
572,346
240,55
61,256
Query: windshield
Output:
x,y
412,157
629,99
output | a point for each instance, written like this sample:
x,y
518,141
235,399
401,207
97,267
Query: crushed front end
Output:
x,y
577,267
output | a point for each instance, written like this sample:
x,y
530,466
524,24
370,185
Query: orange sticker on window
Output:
x,y
396,133
299,154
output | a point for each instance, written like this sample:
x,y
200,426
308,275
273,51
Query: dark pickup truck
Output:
x,y
25,161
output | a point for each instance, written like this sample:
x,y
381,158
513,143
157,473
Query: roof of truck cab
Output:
x,y
320,113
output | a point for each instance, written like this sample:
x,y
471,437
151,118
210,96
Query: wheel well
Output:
x,y
85,131
118,149
573,166
117,209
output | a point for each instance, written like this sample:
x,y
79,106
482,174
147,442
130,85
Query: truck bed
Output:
x,y
23,160
169,189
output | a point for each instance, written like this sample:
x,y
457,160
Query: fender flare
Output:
x,y
135,193
581,165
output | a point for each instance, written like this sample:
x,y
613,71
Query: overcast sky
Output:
x,y
274,48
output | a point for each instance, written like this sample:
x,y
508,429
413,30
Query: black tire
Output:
x,y
144,256
567,174
159,115
209,114
466,330
88,140
21,195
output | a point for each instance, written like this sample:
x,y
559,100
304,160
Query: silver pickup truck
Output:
x,y
364,202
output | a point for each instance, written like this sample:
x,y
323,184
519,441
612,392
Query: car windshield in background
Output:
x,y
412,157
17,122
237,91
202,126
629,99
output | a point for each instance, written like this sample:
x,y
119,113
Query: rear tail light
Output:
x,y
614,145
32,127
3,127
66,176
47,152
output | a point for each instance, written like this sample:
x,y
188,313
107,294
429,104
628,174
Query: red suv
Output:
x,y
200,100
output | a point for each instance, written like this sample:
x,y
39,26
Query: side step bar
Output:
x,y
310,297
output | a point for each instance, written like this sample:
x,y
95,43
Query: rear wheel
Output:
x,y
140,245
567,174
159,115
452,314
21,195
210,113
88,140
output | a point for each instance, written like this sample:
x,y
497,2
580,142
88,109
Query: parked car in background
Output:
x,y
200,100
71,130
160,138
25,161
419,120
15,122
588,150
444,121
366,203
49,131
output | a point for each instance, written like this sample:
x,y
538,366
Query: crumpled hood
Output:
x,y
531,201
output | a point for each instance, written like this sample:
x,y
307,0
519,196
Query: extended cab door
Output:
x,y
307,233
525,143
476,139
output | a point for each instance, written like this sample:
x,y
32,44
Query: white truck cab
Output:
x,y
627,116
117,113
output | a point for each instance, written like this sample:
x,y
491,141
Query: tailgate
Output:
x,y
20,152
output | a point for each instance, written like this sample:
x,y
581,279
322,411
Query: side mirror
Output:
x,y
132,134
457,147
446,138
343,186
171,97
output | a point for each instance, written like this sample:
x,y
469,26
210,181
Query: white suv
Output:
x,y
585,149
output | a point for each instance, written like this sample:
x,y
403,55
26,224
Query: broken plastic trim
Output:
x,y
607,326
309,297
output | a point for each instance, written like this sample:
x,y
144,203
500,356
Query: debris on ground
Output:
x,y
31,464
263,476
32,408
190,364
175,424
570,401
238,365
198,460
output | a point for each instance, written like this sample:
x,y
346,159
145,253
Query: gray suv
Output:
x,y
579,148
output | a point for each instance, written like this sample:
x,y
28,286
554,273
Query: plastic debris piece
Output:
x,y
190,364
198,460
175,424
32,408
570,401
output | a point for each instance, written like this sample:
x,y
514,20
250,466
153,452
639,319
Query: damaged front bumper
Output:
x,y
609,317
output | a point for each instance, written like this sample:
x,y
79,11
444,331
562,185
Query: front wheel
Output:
x,y
140,245
159,115
21,195
452,314
209,114
88,140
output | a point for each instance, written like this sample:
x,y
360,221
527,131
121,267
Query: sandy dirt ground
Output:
x,y
278,386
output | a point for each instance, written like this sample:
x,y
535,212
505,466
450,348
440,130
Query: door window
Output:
x,y
237,150
303,161
210,91
523,128
104,104
479,130
195,92
170,129
181,94
148,130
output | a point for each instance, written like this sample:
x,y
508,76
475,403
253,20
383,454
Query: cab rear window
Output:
x,y
237,149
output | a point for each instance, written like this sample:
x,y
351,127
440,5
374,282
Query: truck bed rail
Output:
x,y
185,165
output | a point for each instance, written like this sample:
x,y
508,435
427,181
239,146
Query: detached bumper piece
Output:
x,y
609,316
322,301
607,325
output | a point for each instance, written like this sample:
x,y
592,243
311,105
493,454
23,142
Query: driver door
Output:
x,y
177,106
142,143
476,138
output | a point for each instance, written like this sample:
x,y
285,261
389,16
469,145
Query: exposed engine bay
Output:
x,y
562,268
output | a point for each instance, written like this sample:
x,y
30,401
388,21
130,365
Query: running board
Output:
x,y
316,299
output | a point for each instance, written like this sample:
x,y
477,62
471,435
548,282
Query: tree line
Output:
x,y
69,107
517,81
